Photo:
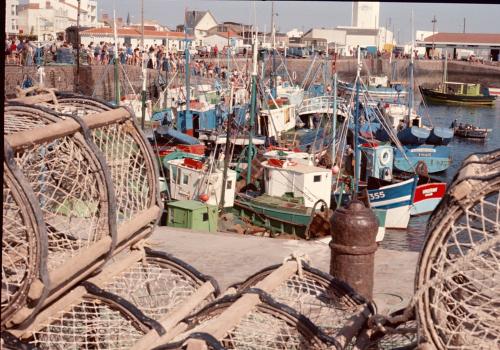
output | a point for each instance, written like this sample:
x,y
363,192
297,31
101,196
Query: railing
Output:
x,y
321,104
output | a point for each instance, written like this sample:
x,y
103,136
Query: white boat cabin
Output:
x,y
273,121
397,115
193,179
298,157
310,182
378,81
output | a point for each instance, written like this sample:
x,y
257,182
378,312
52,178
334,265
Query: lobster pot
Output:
x,y
158,283
126,151
95,320
326,301
194,341
71,187
458,275
24,245
268,325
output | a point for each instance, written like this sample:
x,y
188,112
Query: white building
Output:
x,y
172,40
365,14
46,18
11,18
223,39
295,33
199,23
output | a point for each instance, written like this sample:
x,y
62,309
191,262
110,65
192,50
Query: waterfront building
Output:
x,y
46,19
198,24
174,41
365,14
483,45
221,39
11,18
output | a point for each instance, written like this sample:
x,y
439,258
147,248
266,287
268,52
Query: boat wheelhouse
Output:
x,y
458,93
194,179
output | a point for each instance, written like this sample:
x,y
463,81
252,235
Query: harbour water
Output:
x,y
484,117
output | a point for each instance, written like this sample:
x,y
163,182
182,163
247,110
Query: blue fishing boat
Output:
x,y
436,158
379,89
440,136
413,135
395,198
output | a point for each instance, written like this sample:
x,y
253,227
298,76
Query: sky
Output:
x,y
303,15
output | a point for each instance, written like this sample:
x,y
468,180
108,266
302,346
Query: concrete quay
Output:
x,y
231,258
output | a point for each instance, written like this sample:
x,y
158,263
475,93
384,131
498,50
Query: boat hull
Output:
x,y
377,94
413,136
396,199
440,136
433,96
427,197
436,158
471,134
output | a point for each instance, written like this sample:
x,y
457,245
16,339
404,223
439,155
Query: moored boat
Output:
x,y
440,136
436,158
413,135
427,197
458,93
471,132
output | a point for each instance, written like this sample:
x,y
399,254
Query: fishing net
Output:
x,y
269,325
95,321
22,244
458,295
157,284
326,301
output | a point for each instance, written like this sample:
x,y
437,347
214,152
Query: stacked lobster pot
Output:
x,y
80,196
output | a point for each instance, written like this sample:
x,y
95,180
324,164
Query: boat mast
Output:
x,y
357,155
334,115
445,73
144,71
253,109
410,92
188,120
117,79
273,40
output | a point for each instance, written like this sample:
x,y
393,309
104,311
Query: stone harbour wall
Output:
x,y
98,80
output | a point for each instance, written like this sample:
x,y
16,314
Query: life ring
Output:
x,y
385,156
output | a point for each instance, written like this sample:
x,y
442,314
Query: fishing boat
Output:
x,y
494,90
384,191
436,158
458,93
293,194
469,131
440,136
379,88
191,179
428,194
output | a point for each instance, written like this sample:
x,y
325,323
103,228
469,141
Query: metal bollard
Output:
x,y
354,229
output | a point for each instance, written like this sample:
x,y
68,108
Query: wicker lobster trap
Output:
x,y
95,187
458,275
135,297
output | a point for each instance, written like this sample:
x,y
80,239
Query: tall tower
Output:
x,y
365,14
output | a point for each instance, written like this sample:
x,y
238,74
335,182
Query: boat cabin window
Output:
x,y
205,216
317,178
185,179
229,185
415,122
179,176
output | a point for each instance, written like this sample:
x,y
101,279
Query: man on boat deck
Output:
x,y
453,124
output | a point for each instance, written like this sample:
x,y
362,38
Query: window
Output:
x,y
185,179
317,178
229,185
205,216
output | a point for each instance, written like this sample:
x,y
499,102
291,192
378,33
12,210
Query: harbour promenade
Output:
x,y
232,258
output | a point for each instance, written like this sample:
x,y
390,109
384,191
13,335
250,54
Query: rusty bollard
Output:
x,y
354,229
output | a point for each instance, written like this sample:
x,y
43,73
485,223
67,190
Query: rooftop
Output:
x,y
132,32
464,38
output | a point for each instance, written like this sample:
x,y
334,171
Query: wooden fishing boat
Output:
x,y
471,132
436,158
379,89
458,93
